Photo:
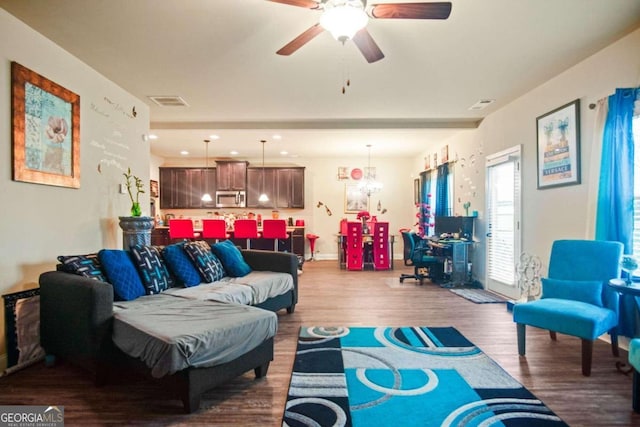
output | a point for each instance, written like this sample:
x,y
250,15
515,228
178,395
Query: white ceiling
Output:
x,y
219,56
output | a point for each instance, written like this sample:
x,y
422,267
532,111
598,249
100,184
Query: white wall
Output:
x,y
40,222
552,213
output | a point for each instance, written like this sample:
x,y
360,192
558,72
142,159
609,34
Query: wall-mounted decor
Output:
x,y
558,134
153,189
46,130
370,172
355,200
343,173
416,191
427,163
444,155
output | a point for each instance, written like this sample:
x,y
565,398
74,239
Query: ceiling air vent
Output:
x,y
482,104
169,101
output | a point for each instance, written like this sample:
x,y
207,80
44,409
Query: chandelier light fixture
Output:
x,y
206,197
343,18
369,185
263,196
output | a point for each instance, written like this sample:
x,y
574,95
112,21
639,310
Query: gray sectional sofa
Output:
x,y
234,325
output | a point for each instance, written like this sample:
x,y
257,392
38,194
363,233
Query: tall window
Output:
x,y
636,184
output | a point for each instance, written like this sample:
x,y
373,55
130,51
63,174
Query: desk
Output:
x,y
632,289
366,238
457,254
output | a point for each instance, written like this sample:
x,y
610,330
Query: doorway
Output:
x,y
503,209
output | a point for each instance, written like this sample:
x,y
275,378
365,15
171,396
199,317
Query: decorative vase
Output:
x,y
136,230
136,210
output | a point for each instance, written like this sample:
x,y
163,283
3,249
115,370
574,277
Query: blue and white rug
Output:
x,y
408,376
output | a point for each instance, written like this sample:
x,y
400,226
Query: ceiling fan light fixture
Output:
x,y
343,18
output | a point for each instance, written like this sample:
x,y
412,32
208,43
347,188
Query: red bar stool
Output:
x,y
312,243
246,229
381,259
354,246
182,229
215,229
275,229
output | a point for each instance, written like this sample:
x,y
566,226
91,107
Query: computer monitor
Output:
x,y
462,225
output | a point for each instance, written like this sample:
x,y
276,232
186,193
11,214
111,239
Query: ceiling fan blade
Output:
x,y
367,46
309,4
440,10
301,40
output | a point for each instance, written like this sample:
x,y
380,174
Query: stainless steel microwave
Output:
x,y
231,199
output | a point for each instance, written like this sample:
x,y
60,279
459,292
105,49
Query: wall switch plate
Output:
x,y
123,189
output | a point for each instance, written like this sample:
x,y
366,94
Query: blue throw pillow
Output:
x,y
83,265
121,273
207,264
181,265
231,258
589,291
153,271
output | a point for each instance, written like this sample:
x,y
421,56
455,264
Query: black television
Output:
x,y
463,225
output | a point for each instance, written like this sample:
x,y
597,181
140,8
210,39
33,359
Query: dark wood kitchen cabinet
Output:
x,y
284,186
290,188
231,176
255,187
182,188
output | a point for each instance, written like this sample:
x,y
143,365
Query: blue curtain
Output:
x,y
424,218
442,191
614,217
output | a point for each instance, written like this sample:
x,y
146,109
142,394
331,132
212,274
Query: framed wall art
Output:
x,y
355,200
558,137
416,191
46,130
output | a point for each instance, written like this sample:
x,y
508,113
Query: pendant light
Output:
x,y
369,185
206,197
263,196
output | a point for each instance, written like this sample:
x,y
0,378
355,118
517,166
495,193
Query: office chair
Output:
x,y
426,264
576,299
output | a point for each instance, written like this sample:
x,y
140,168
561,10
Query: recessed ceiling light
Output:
x,y
214,137
483,103
184,152
153,136
277,137
284,153
234,153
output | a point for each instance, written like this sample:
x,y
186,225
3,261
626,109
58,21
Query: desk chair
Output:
x,y
426,264
214,229
246,229
575,298
275,229
182,229
634,361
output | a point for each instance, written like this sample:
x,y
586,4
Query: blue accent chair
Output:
x,y
417,253
634,360
575,298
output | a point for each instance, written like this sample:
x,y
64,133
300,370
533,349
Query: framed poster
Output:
x,y
416,191
558,137
355,200
46,130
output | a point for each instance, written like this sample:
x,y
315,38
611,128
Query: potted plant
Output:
x,y
132,181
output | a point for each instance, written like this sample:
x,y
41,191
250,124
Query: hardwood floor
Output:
x,y
331,297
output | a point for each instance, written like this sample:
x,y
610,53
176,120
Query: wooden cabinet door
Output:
x,y
209,185
290,188
296,199
166,188
255,187
182,188
231,176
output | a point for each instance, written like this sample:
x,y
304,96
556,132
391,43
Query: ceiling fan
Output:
x,y
347,19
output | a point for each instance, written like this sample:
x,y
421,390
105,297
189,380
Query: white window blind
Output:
x,y
502,214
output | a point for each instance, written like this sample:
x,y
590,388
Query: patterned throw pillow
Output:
x,y
231,258
153,272
83,265
205,261
181,265
121,273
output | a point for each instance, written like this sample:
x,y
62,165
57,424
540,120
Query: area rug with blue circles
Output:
x,y
405,376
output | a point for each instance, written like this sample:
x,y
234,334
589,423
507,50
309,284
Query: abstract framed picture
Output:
x,y
46,130
355,200
558,137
